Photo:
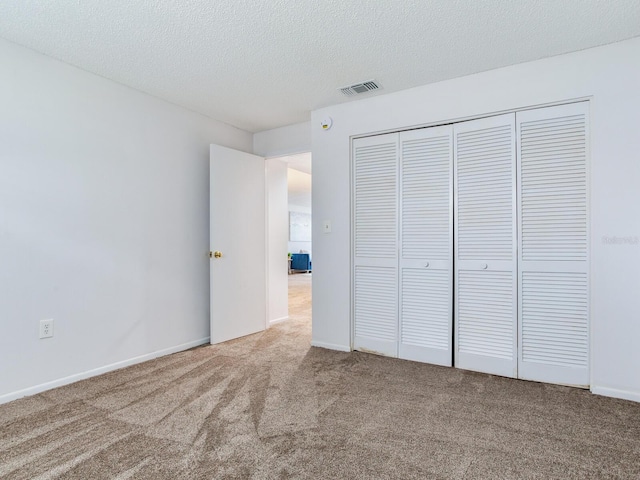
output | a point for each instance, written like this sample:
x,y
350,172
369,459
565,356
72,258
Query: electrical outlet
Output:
x,y
46,328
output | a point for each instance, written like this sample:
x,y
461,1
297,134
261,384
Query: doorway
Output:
x,y
289,235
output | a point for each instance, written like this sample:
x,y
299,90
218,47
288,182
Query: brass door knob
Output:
x,y
215,254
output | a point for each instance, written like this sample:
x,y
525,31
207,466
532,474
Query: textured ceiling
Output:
x,y
260,64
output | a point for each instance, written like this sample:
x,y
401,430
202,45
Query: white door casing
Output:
x,y
553,283
485,245
238,231
426,245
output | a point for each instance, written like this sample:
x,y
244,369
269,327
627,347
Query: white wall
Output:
x,y
104,222
277,235
282,141
299,201
295,247
610,75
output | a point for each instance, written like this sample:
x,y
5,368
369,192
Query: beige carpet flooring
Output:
x,y
270,406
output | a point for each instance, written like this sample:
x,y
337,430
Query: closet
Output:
x,y
470,244
403,244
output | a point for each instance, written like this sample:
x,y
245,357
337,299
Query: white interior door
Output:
x,y
238,233
485,245
375,279
553,254
426,245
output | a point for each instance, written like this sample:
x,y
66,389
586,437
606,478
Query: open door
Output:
x,y
237,244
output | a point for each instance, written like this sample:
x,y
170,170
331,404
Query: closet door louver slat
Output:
x,y
426,245
375,230
485,245
553,261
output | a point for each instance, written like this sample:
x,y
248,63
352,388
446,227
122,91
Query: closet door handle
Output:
x,y
485,266
427,265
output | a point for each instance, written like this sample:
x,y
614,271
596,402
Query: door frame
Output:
x,y
281,157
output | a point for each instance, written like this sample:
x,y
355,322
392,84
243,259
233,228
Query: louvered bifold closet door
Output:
x,y
554,244
485,245
375,276
426,245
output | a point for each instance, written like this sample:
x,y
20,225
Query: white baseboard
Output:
x,y
615,393
331,346
8,397
278,320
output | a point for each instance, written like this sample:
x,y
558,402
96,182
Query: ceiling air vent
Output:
x,y
357,88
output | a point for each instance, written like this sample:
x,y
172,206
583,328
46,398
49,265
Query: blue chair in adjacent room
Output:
x,y
300,262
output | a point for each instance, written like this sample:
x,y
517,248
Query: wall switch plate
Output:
x,y
46,328
326,226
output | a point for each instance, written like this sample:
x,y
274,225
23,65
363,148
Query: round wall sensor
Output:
x,y
326,123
